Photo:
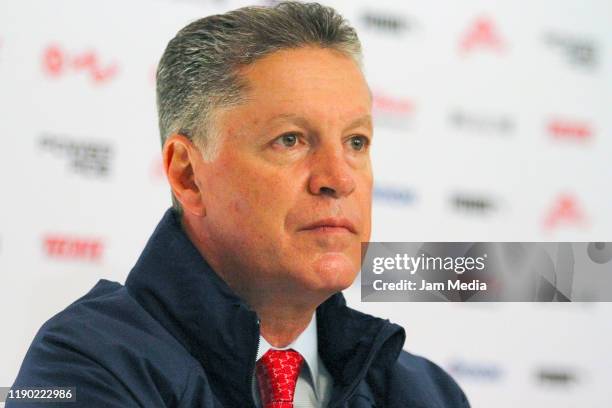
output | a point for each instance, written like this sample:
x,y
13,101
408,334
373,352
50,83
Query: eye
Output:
x,y
359,143
288,139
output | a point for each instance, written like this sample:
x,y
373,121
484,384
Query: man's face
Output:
x,y
288,197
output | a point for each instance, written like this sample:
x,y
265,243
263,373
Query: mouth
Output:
x,y
331,226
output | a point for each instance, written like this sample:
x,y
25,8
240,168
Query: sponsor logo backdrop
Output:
x,y
492,124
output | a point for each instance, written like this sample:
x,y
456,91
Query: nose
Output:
x,y
331,175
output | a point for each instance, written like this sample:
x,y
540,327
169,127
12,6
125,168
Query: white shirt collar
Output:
x,y
306,344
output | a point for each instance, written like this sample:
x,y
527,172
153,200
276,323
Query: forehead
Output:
x,y
306,81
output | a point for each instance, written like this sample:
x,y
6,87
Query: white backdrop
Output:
x,y
492,124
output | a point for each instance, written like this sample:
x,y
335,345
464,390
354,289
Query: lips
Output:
x,y
332,224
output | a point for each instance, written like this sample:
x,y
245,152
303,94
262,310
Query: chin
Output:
x,y
334,272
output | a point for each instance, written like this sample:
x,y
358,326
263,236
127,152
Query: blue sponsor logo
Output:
x,y
395,196
475,371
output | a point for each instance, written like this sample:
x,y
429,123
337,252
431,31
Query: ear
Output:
x,y
181,158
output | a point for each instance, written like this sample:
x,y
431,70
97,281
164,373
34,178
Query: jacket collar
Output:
x,y
175,284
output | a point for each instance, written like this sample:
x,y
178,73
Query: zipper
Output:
x,y
353,387
253,374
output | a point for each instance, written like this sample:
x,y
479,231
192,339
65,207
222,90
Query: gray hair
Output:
x,y
198,72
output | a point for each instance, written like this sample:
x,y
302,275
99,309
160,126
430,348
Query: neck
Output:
x,y
280,326
284,310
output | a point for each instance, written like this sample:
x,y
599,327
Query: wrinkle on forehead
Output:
x,y
336,92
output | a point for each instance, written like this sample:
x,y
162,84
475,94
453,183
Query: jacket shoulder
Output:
x,y
420,382
108,347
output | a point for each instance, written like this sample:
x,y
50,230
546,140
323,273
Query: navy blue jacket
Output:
x,y
177,336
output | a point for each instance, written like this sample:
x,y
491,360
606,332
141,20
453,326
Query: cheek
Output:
x,y
366,208
261,198
367,228
226,194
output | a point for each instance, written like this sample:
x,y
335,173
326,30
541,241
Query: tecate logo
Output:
x,y
565,129
392,111
76,248
382,102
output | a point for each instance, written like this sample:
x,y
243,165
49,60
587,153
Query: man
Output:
x,y
235,301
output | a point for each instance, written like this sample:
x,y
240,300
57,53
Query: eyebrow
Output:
x,y
303,122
